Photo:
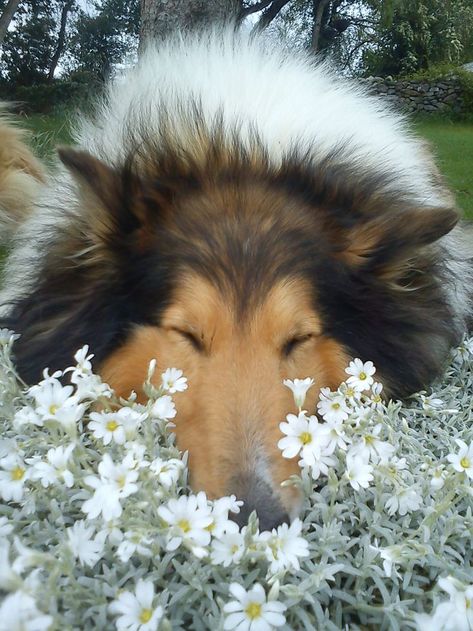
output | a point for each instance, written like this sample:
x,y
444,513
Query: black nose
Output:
x,y
258,496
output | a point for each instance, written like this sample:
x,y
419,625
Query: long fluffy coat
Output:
x,y
204,103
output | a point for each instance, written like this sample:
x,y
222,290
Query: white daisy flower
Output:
x,y
285,546
133,543
173,381
463,352
372,448
6,527
453,615
118,426
86,549
55,469
352,397
360,415
397,464
26,557
55,402
299,389
404,501
188,519
439,475
13,475
251,611
335,436
136,452
391,470
391,556
90,387
359,473
228,549
220,509
105,501
112,532
163,408
376,399
18,612
116,482
332,406
9,578
168,471
82,359
7,337
137,611
26,416
463,460
361,374
323,461
304,437
430,403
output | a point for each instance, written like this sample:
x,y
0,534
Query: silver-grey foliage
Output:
x,y
367,569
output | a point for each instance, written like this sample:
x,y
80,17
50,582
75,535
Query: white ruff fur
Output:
x,y
255,85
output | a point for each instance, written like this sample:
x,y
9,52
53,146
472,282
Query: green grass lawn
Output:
x,y
48,131
451,142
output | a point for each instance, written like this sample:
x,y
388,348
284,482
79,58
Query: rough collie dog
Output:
x,y
238,212
20,174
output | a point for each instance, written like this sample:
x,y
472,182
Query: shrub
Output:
x,y
49,97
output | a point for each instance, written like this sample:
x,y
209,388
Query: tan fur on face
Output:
x,y
229,417
20,176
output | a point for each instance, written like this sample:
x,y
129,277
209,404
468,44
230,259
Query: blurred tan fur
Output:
x,y
21,175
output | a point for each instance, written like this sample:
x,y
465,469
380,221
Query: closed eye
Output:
x,y
292,344
195,342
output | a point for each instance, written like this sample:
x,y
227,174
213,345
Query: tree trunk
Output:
x,y
160,17
270,13
60,40
6,17
319,8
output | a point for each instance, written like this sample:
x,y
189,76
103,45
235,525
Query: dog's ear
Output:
x,y
111,198
388,242
95,178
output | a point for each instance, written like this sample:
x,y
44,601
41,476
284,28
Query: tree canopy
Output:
x,y
40,39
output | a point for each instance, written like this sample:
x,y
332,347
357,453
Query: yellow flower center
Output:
x,y
112,425
184,525
305,438
465,462
253,611
335,406
17,473
468,603
234,548
121,481
369,440
210,527
362,376
145,615
53,409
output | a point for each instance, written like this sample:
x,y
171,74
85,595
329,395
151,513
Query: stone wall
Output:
x,y
440,95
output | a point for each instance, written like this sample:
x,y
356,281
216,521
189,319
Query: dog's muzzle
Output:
x,y
258,496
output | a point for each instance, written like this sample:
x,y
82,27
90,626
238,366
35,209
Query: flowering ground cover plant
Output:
x,y
99,529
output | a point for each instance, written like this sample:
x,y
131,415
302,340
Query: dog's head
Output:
x,y
241,275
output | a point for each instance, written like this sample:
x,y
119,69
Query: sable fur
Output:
x,y
361,212
21,175
243,215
